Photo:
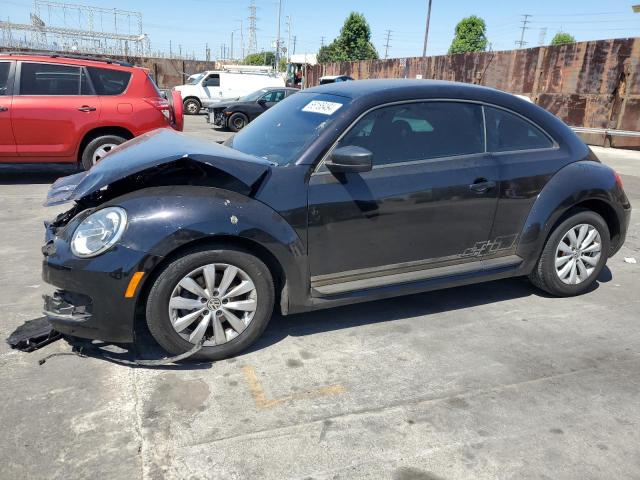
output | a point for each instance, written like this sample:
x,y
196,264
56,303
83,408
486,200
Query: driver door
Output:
x,y
428,202
211,86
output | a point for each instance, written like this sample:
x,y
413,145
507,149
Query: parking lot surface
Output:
x,y
489,381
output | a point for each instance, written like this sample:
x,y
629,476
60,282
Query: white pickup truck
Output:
x,y
210,87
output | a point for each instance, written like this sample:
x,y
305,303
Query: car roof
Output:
x,y
69,60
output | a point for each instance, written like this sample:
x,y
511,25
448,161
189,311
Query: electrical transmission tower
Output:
x,y
253,41
386,46
542,36
78,28
521,43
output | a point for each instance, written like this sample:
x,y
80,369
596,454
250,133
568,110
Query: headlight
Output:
x,y
98,232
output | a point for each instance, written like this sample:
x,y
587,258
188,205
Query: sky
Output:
x,y
192,24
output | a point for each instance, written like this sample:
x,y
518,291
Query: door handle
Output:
x,y
3,109
482,185
87,108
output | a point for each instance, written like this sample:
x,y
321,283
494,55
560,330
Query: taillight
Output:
x,y
618,179
161,104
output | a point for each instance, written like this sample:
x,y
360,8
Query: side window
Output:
x,y
49,79
109,82
419,131
274,96
212,80
508,132
4,77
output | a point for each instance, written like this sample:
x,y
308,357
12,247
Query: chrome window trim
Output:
x,y
481,103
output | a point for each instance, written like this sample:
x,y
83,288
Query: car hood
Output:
x,y
227,103
148,153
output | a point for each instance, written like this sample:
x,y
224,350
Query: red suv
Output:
x,y
69,109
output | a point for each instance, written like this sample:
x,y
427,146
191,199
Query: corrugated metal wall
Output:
x,y
587,84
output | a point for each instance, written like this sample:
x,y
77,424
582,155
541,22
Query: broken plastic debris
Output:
x,y
630,260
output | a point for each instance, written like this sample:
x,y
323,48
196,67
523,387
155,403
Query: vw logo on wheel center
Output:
x,y
214,304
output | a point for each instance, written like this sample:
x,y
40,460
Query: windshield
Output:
x,y
284,131
194,79
252,97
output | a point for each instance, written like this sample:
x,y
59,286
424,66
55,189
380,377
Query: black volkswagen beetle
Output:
x,y
236,114
340,194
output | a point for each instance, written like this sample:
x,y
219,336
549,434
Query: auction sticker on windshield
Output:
x,y
319,106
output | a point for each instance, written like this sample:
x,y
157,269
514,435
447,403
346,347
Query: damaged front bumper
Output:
x,y
90,298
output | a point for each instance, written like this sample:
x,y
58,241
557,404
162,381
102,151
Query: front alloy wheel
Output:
x,y
215,302
221,298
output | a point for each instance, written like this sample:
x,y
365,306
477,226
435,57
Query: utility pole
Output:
x,y
241,40
386,47
278,36
170,50
231,55
521,43
426,30
295,40
321,42
207,53
288,38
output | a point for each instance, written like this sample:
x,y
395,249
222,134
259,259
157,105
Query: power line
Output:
x,y
521,43
386,47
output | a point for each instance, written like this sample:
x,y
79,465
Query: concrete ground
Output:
x,y
488,381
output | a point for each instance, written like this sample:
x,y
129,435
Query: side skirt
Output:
x,y
395,275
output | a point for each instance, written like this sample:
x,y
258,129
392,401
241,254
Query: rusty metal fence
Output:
x,y
593,85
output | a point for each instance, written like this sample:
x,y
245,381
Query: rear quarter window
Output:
x,y
109,82
507,132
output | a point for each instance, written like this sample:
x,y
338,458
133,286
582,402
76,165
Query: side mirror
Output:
x,y
262,102
349,159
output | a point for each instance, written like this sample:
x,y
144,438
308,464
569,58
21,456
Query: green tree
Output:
x,y
561,38
471,36
353,43
262,58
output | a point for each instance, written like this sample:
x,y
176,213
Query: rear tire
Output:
x,y
237,122
192,106
97,148
251,277
555,272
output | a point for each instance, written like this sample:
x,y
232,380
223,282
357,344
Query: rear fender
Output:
x,y
576,183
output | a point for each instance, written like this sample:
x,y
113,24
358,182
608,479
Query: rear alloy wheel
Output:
x,y
237,122
192,106
98,148
220,298
573,256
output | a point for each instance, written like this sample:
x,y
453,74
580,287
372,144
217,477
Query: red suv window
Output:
x,y
51,79
109,82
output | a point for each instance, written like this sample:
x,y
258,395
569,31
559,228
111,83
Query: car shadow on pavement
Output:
x,y
38,173
338,318
398,308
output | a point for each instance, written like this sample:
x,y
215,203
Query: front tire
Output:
x,y
222,297
237,121
97,148
191,106
574,255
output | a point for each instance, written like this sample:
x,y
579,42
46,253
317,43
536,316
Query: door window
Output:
x,y
109,82
49,79
419,131
274,96
508,132
4,78
212,81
